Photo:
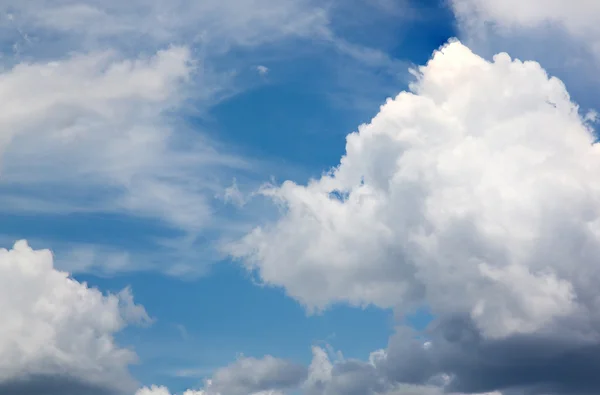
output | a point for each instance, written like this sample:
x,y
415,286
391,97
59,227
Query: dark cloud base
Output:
x,y
53,385
529,364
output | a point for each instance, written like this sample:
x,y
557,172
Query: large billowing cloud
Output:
x,y
475,194
57,334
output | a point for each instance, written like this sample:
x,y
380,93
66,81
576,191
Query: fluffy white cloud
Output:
x,y
57,334
474,193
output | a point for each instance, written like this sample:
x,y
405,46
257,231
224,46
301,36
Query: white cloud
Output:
x,y
264,376
91,133
217,24
153,390
563,35
578,17
233,195
54,326
262,70
470,193
91,129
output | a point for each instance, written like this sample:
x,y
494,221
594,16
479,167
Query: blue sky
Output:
x,y
183,152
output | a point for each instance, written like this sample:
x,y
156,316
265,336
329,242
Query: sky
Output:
x,y
299,197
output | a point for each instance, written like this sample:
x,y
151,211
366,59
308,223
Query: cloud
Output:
x,y
262,70
474,195
458,359
57,333
337,376
99,98
577,18
561,35
233,195
326,375
217,25
247,376
95,130
95,133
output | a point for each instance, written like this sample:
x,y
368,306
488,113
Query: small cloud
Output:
x,y
233,195
196,372
182,331
591,116
262,70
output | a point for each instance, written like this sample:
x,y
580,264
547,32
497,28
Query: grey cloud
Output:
x,y
524,364
55,385
251,375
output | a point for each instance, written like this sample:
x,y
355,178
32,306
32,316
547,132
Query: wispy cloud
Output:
x,y
100,105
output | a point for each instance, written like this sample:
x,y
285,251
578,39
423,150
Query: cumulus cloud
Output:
x,y
339,376
458,359
57,334
328,374
473,194
247,376
251,375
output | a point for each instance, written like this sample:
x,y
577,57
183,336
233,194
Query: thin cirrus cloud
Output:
x,y
127,24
